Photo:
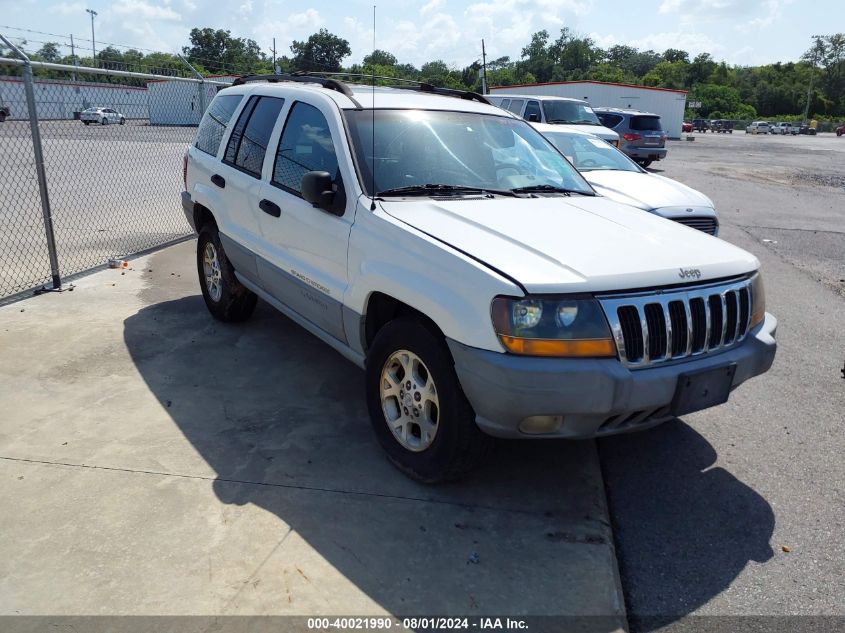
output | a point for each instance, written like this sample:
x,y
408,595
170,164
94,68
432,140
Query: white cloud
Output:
x,y
432,6
310,18
67,8
246,8
142,10
693,43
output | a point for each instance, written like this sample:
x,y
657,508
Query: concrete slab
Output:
x,y
155,461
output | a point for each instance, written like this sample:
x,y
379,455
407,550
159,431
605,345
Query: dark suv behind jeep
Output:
x,y
641,134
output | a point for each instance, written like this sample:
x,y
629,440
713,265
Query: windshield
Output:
x,y
571,112
588,153
456,149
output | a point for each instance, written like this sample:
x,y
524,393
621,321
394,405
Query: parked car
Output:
x,y
641,133
574,113
785,127
759,127
686,126
613,174
722,126
840,130
701,125
448,249
103,116
4,113
806,128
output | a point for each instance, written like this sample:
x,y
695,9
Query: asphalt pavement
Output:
x,y
740,510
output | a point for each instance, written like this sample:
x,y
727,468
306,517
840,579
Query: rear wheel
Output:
x,y
226,298
87,122
645,163
418,410
104,121
122,120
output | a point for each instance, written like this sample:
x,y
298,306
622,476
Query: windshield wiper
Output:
x,y
551,189
441,189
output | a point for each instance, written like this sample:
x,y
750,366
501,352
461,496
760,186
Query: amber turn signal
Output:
x,y
581,348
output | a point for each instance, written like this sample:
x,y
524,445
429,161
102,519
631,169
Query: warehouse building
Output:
x,y
175,102
669,104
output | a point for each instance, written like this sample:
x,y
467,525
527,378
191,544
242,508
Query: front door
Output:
x,y
304,260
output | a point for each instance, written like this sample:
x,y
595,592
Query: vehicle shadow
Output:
x,y
684,527
281,419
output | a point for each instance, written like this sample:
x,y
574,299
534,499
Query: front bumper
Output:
x,y
596,397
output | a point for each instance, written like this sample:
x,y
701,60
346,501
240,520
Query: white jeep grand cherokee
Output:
x,y
450,250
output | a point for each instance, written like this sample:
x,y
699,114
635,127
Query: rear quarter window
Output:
x,y
214,122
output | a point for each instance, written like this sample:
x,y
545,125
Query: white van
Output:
x,y
575,114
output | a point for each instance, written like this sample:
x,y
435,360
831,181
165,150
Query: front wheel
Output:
x,y
122,121
418,410
225,297
104,121
87,122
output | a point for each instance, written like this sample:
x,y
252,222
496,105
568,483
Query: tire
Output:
x,y
2,117
87,122
104,121
122,121
645,163
454,444
228,300
838,133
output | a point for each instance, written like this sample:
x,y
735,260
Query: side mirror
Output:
x,y
534,118
318,189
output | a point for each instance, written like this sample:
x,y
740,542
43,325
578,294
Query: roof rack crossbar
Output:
x,y
331,84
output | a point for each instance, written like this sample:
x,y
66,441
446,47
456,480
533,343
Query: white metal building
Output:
x,y
58,99
179,102
669,104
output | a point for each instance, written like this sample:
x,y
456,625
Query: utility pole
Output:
x,y
72,56
93,47
816,39
273,50
484,69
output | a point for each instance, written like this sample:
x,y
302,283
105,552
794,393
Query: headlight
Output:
x,y
553,326
758,300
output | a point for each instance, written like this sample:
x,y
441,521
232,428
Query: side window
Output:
x,y
306,145
248,142
505,104
516,105
214,122
532,111
609,120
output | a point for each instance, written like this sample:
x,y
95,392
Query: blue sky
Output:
x,y
744,32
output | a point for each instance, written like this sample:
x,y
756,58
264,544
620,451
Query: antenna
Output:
x,y
373,112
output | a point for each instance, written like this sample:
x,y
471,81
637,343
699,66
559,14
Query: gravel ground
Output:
x,y
740,510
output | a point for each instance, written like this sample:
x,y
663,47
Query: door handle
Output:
x,y
271,208
219,181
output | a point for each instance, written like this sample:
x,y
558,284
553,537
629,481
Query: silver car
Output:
x,y
759,127
613,174
102,116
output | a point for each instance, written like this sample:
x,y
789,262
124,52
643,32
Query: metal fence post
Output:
x,y
39,164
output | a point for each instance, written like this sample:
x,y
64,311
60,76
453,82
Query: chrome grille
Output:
x,y
708,225
655,327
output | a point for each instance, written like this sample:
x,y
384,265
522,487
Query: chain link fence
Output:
x,y
89,169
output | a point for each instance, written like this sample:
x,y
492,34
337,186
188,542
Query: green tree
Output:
x,y
219,52
322,51
380,58
667,75
49,52
675,55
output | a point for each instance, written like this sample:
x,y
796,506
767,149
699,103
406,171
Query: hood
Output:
x,y
577,244
646,191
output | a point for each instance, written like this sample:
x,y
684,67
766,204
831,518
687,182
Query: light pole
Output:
x,y
816,44
93,48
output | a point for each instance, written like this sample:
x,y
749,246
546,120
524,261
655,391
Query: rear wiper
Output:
x,y
435,189
551,189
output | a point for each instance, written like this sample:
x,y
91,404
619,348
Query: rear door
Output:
x,y
239,180
302,259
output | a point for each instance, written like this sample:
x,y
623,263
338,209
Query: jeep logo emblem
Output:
x,y
689,273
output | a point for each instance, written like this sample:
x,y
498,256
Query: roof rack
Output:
x,y
419,85
331,84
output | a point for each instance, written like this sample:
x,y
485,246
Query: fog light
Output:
x,y
539,424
